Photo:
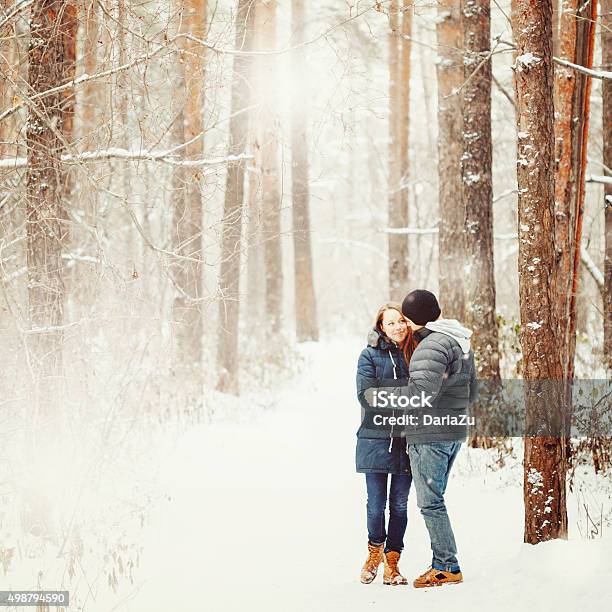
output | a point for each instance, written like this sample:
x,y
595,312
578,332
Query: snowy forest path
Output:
x,y
270,515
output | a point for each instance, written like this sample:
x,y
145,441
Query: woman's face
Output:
x,y
394,325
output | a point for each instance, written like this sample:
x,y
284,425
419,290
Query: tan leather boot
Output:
x,y
392,574
370,567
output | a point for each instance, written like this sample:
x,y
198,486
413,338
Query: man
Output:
x,y
442,368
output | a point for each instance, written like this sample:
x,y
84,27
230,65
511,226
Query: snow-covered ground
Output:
x,y
269,514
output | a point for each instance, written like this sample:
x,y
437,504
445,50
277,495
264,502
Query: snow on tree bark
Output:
x,y
231,239
545,456
451,242
305,302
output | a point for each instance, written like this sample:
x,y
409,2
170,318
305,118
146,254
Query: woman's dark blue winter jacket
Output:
x,y
377,451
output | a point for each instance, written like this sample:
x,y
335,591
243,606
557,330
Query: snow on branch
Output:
x,y
597,74
604,180
165,157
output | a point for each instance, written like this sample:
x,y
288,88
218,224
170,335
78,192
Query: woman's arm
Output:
x,y
366,376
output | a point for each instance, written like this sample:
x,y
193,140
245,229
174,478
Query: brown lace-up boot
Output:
x,y
436,577
370,567
392,574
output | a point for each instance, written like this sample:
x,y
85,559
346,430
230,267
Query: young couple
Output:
x,y
412,347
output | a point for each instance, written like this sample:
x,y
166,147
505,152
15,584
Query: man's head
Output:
x,y
420,307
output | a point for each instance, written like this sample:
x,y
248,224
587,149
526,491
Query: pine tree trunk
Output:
x,y
51,56
8,71
256,276
305,303
229,274
545,463
90,92
451,247
69,39
572,89
606,52
397,215
477,166
556,26
268,141
187,229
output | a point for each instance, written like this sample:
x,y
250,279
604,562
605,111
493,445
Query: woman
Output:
x,y
379,453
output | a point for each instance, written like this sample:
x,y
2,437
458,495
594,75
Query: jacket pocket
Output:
x,y
373,454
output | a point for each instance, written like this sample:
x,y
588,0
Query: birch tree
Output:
x,y
545,462
231,239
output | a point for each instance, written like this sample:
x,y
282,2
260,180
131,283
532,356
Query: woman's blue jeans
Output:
x,y
398,509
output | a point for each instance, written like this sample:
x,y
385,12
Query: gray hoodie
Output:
x,y
454,329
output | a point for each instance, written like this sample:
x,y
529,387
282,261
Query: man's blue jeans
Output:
x,y
398,509
430,465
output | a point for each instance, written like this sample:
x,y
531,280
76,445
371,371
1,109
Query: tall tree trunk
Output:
x,y
256,277
229,275
305,303
556,25
270,176
606,53
397,243
545,463
69,37
51,56
89,99
451,247
572,89
9,52
477,170
187,230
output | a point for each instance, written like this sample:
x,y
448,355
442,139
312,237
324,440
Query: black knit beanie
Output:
x,y
421,306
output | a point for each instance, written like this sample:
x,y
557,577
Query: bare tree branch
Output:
x,y
19,6
593,178
597,74
117,153
592,269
